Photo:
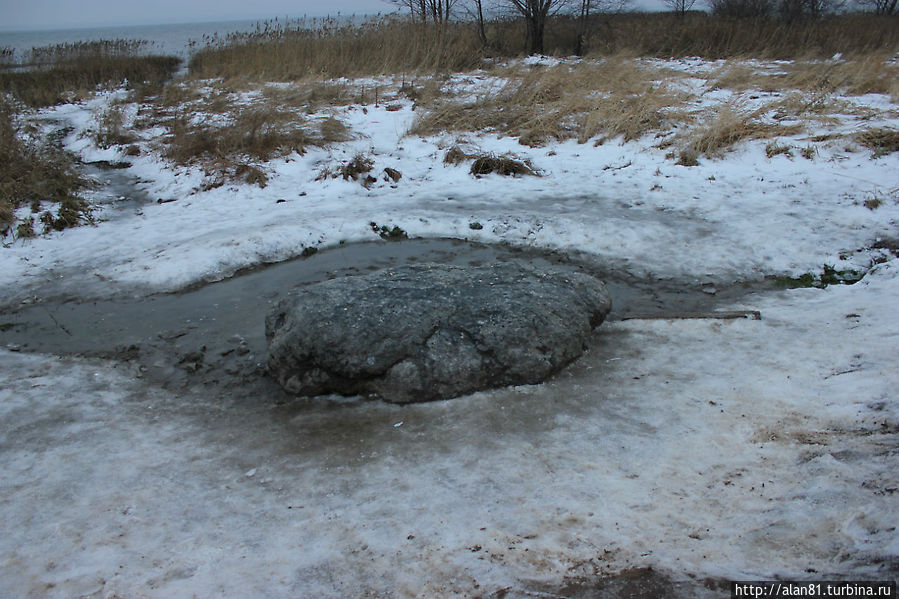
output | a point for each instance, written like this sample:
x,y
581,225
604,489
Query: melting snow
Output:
x,y
703,448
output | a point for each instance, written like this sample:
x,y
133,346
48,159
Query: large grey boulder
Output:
x,y
430,331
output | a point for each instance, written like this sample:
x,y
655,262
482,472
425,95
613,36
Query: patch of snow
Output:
x,y
743,216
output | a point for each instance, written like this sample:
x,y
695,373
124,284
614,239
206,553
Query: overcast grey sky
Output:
x,y
64,14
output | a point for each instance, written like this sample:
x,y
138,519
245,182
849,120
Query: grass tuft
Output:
x,y
773,149
881,141
255,132
456,155
613,98
729,125
501,165
355,168
237,146
688,157
111,130
873,203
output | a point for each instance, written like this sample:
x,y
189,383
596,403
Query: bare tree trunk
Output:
x,y
482,30
535,28
535,14
581,47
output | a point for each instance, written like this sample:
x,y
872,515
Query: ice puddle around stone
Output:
x,y
214,333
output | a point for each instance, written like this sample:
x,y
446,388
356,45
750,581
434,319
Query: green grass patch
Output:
x,y
828,276
387,233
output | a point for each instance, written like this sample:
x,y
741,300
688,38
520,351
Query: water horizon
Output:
x,y
176,39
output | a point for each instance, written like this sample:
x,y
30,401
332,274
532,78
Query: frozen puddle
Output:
x,y
215,332
704,449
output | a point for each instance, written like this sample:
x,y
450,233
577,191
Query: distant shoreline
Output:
x,y
173,39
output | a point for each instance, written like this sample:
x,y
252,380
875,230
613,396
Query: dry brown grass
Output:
x,y
40,176
727,125
173,95
311,95
231,133
456,155
818,107
255,135
327,49
111,129
254,132
622,98
775,149
880,141
45,86
501,165
707,36
356,169
873,73
615,98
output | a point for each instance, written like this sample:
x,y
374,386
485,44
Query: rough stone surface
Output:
x,y
431,331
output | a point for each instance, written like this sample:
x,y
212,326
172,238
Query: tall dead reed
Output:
x,y
708,36
55,72
330,49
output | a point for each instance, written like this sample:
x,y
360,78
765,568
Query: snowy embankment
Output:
x,y
740,217
702,448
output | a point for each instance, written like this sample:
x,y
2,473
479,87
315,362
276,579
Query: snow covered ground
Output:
x,y
702,448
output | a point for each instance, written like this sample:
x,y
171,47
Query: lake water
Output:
x,y
175,40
